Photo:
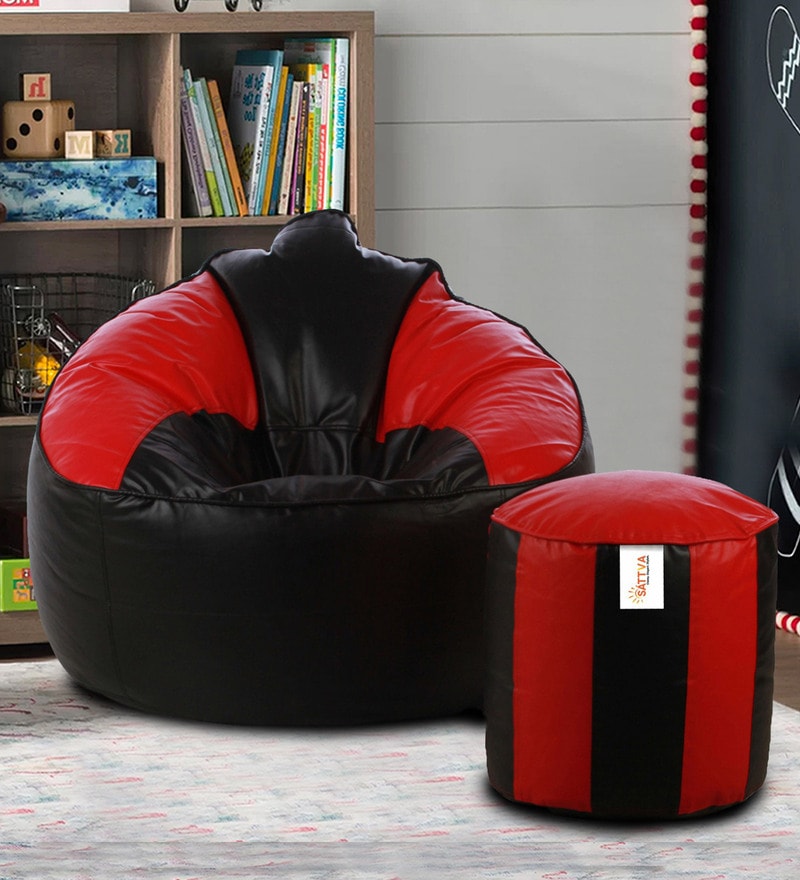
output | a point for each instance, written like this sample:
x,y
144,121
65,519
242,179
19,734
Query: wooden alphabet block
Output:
x,y
35,129
104,143
79,145
122,143
112,143
35,87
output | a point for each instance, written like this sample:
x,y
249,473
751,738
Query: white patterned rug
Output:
x,y
93,791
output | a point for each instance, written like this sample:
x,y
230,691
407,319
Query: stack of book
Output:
x,y
280,146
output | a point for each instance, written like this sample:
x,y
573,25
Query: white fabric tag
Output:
x,y
641,576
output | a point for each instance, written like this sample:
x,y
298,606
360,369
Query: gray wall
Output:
x,y
539,150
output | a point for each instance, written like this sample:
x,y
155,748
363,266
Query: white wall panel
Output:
x,y
527,77
531,164
601,289
486,16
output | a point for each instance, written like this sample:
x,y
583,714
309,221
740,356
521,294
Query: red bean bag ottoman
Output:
x,y
263,495
631,626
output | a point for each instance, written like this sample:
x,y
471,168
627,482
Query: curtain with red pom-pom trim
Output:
x,y
697,235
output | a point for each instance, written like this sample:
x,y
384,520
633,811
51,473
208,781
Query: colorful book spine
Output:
x,y
312,140
274,140
208,168
280,157
194,162
320,51
209,124
227,147
297,203
289,150
339,114
323,172
272,59
251,85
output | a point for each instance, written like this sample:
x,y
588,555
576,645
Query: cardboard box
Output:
x,y
16,585
79,189
65,5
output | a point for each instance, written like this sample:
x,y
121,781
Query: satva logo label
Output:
x,y
641,576
19,3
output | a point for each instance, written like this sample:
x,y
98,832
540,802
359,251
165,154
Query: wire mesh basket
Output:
x,y
43,320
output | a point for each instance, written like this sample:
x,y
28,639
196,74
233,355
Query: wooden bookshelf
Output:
x,y
21,628
122,70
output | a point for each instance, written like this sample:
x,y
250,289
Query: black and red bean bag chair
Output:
x,y
263,495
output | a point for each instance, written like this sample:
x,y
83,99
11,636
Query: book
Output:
x,y
319,51
323,172
341,85
272,61
194,163
239,196
251,86
312,140
209,123
208,168
297,192
274,138
308,73
289,149
280,155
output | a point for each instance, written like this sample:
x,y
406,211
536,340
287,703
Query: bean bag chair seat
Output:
x,y
263,495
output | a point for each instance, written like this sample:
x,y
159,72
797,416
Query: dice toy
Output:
x,y
35,129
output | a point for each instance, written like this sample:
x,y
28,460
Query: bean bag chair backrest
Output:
x,y
346,360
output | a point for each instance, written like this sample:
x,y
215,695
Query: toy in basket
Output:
x,y
43,320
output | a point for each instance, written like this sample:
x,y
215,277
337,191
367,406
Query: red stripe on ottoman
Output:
x,y
553,674
721,675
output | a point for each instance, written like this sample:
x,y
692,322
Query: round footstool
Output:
x,y
631,628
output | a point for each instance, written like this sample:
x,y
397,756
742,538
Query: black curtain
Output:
x,y
750,379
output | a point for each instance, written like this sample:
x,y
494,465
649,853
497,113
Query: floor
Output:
x,y
787,664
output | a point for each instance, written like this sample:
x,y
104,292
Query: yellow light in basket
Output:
x,y
46,368
33,357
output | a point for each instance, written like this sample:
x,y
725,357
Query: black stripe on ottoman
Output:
x,y
630,645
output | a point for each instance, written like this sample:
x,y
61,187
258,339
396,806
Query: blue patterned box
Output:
x,y
79,189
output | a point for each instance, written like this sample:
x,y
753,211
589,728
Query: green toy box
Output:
x,y
16,585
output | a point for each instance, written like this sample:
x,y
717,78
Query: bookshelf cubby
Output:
x,y
122,70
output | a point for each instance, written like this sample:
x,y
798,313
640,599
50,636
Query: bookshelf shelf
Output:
x,y
122,70
190,222
21,628
25,227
